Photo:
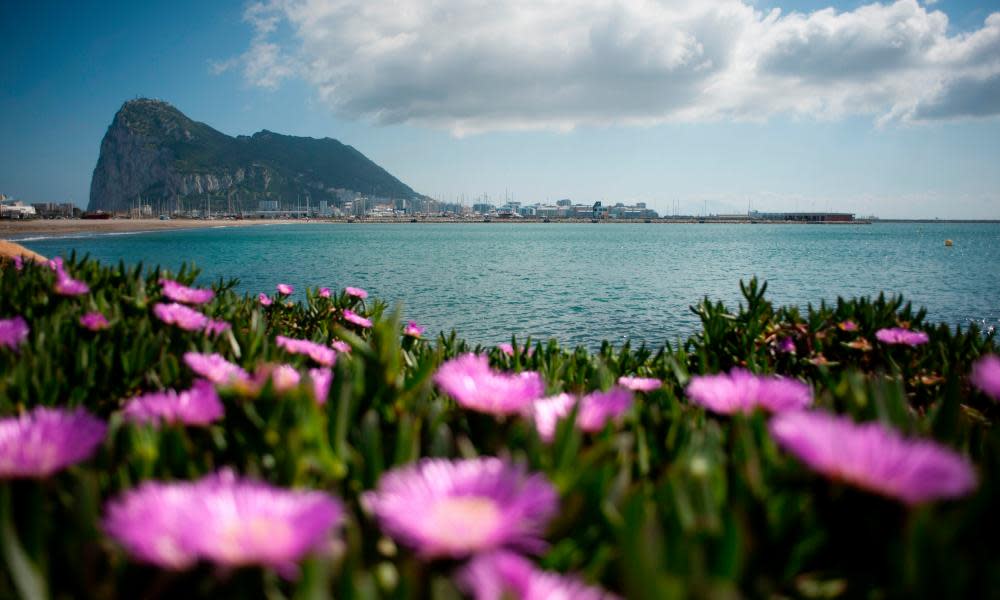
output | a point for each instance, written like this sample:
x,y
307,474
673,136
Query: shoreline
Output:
x,y
31,230
21,231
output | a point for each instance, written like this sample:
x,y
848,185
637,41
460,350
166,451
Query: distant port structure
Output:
x,y
802,217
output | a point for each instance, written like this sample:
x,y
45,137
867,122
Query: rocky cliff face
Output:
x,y
154,154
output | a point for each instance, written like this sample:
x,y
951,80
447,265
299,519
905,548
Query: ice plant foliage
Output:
x,y
873,457
94,321
595,411
46,440
180,316
900,336
13,332
352,317
986,375
505,575
199,405
323,355
443,508
285,290
413,330
182,293
640,384
214,368
355,292
221,518
743,392
474,385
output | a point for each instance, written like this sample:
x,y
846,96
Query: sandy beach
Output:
x,y
16,229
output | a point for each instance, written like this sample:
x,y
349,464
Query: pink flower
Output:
x,y
873,457
13,332
264,299
66,285
94,321
596,410
324,292
221,518
285,290
444,508
640,384
900,336
180,315
474,385
413,330
341,346
848,325
46,440
986,375
284,378
215,368
321,380
18,262
508,349
786,345
199,405
502,574
356,292
742,392
318,352
188,295
214,327
352,317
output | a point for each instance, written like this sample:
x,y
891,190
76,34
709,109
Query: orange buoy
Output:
x,y
948,243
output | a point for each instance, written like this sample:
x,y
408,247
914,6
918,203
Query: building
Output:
x,y
636,211
804,217
50,210
15,209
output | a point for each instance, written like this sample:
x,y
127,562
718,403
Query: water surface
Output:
x,y
582,283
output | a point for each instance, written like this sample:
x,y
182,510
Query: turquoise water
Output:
x,y
583,283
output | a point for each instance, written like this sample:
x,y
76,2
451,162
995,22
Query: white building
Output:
x,y
16,210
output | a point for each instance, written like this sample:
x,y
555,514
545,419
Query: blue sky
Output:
x,y
615,101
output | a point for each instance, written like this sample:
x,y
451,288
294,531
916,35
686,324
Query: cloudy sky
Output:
x,y
890,108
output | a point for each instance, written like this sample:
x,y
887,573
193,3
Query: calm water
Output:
x,y
584,283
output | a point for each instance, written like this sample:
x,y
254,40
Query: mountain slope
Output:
x,y
154,152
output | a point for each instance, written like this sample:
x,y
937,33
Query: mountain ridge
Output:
x,y
152,153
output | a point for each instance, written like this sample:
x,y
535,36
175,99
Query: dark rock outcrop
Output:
x,y
153,154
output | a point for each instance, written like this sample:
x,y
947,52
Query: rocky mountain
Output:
x,y
154,154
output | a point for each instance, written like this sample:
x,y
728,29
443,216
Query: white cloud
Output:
x,y
476,65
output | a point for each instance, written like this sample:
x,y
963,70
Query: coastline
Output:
x,y
19,231
28,230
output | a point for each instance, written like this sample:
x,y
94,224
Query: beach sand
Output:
x,y
17,229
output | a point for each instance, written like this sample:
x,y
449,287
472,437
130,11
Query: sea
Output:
x,y
583,283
